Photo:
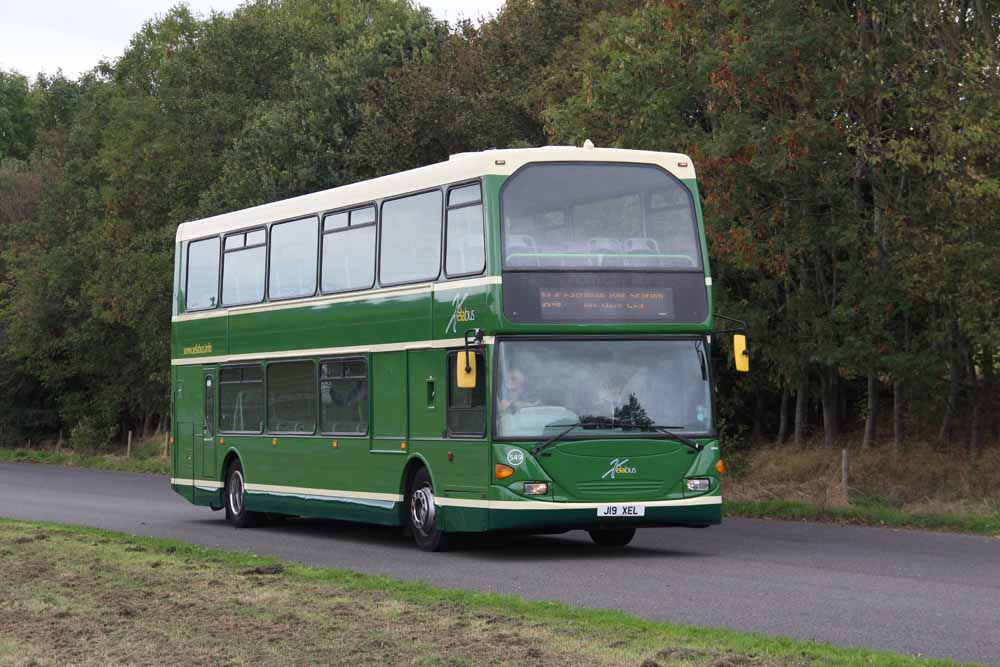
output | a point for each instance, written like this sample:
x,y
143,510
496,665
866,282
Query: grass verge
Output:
x,y
864,515
76,595
924,486
146,457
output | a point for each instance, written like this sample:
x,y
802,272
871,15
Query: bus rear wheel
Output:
x,y
421,511
618,537
236,507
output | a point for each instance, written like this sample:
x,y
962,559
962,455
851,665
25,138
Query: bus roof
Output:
x,y
458,168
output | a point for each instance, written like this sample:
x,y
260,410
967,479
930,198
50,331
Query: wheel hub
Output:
x,y
236,493
422,509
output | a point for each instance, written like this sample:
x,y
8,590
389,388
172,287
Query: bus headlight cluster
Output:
x,y
536,488
699,484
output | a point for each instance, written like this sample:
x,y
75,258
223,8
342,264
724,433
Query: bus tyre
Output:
x,y
421,511
618,537
236,508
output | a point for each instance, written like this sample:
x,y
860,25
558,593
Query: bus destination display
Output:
x,y
614,304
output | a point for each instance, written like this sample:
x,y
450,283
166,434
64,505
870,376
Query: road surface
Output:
x,y
907,591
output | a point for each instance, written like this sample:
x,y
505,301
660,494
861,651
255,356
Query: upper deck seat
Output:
x,y
642,246
605,251
521,250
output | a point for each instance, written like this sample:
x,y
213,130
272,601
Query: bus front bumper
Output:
x,y
459,515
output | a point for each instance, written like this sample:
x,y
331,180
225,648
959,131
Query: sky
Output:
x,y
46,35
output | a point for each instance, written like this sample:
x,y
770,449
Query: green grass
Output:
x,y
146,457
118,599
868,514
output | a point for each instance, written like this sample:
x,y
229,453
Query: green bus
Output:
x,y
512,340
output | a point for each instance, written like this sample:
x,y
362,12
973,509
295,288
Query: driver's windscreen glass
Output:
x,y
607,387
598,217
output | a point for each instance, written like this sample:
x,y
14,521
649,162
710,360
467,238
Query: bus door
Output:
x,y
205,456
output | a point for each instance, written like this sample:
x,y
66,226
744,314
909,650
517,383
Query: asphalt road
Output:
x,y
918,593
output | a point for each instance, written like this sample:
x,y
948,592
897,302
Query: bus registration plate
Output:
x,y
621,510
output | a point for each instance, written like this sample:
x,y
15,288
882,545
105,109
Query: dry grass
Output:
x,y
922,479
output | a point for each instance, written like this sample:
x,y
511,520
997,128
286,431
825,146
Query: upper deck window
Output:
x,y
293,259
411,239
465,252
349,250
243,262
584,216
202,274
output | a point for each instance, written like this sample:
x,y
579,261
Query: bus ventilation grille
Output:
x,y
618,487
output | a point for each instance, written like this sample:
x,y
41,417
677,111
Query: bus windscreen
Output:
x,y
598,217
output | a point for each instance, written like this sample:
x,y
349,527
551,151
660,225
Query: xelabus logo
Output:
x,y
461,314
618,467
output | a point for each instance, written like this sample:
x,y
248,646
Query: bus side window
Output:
x,y
292,269
291,397
465,252
348,250
241,399
343,396
243,259
410,246
467,407
202,287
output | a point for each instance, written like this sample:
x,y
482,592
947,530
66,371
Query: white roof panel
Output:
x,y
460,167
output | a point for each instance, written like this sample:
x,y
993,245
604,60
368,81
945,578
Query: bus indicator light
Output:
x,y
222,441
333,444
402,445
502,471
720,467
451,456
274,442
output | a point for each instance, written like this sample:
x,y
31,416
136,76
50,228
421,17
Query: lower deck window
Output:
x,y
291,397
241,399
343,392
467,407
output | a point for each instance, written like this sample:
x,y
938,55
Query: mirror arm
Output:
x,y
740,329
477,341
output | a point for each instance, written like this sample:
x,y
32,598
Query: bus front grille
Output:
x,y
618,488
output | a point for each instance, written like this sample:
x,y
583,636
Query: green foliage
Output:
x,y
846,156
16,128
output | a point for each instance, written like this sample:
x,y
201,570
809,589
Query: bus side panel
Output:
x,y
459,467
396,319
187,413
459,310
200,338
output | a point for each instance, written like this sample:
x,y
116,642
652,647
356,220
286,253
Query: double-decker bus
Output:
x,y
509,340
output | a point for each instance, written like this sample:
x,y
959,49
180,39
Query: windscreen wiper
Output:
x,y
666,430
683,439
553,439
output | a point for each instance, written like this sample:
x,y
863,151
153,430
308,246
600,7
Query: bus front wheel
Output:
x,y
421,511
612,538
236,508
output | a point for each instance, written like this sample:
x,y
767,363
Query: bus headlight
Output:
x,y
536,488
699,484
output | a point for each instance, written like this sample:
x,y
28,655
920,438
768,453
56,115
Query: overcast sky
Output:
x,y
45,35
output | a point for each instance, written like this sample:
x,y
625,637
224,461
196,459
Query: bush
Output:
x,y
89,436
